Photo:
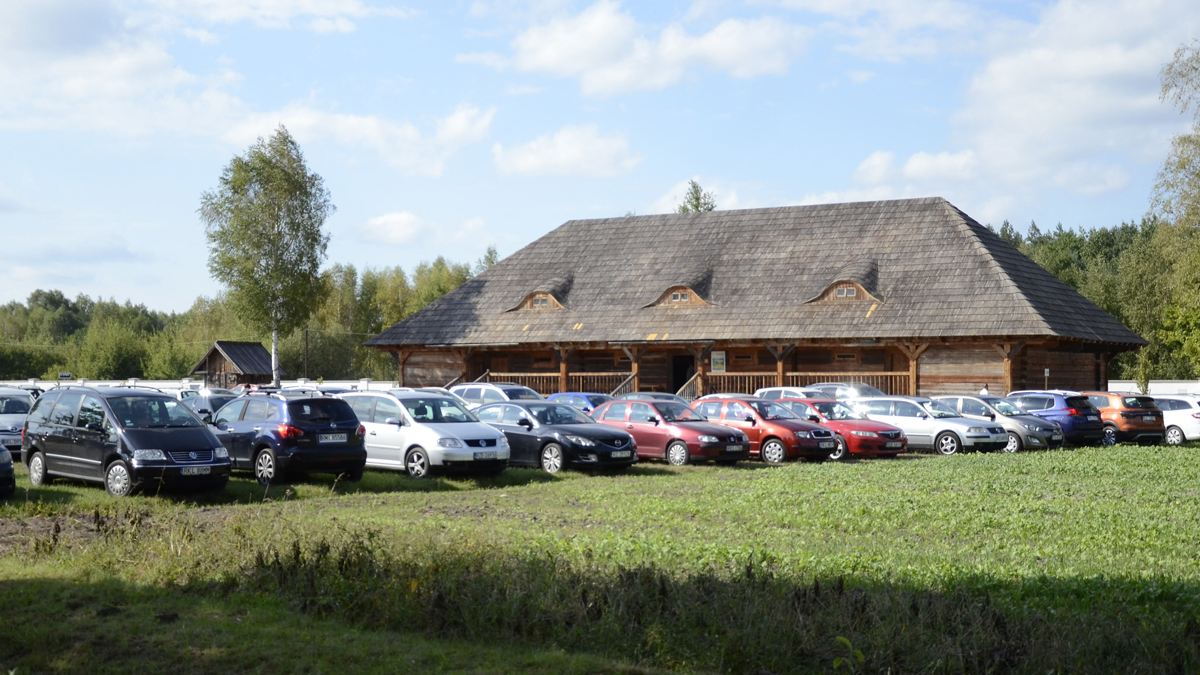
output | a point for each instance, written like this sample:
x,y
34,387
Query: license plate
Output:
x,y
1148,418
1093,418
1056,437
331,438
828,444
491,454
734,448
621,453
195,470
894,444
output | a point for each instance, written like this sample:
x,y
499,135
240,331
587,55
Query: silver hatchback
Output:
x,y
1025,431
931,425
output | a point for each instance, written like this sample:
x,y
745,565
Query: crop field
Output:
x,y
1069,561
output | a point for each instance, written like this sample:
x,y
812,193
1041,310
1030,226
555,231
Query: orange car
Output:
x,y
1128,418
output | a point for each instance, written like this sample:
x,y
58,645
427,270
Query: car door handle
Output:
x,y
373,433
628,426
258,428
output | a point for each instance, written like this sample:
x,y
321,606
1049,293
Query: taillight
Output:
x,y
1196,415
289,431
362,431
1072,412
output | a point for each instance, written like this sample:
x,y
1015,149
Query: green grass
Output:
x,y
1084,561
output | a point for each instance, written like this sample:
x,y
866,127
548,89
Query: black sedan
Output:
x,y
555,436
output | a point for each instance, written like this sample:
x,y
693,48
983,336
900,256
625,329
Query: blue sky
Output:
x,y
442,128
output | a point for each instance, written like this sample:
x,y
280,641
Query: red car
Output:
x,y
776,433
672,431
856,435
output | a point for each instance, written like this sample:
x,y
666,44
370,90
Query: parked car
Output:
x,y
1181,416
584,400
931,425
179,393
33,390
326,389
854,433
672,431
422,433
208,401
14,406
1128,418
1024,430
272,435
479,393
846,390
555,436
1079,419
776,393
776,433
240,389
125,438
442,391
652,396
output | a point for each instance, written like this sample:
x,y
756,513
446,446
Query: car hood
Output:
x,y
792,425
185,438
599,432
464,431
860,425
1032,419
703,428
11,423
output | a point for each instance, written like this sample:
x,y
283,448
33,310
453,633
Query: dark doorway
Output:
x,y
682,370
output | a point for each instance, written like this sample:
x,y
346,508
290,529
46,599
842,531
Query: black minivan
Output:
x,y
126,438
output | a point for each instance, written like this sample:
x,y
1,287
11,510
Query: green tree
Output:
x,y
265,240
487,260
433,280
696,200
110,351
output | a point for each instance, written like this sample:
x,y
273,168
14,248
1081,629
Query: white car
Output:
x,y
1181,416
479,393
776,393
421,433
932,425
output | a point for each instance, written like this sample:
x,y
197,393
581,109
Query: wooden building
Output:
x,y
912,296
229,363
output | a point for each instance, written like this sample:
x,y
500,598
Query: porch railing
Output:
x,y
542,383
691,390
893,383
596,382
736,383
625,387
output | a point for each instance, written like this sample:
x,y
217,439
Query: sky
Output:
x,y
441,128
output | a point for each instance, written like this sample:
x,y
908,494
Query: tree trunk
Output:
x,y
275,357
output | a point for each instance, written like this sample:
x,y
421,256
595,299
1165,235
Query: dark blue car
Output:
x,y
272,434
1079,419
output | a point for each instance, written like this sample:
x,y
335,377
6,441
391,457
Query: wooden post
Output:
x,y
564,374
1009,351
1102,385
780,352
464,355
699,354
635,356
914,352
401,358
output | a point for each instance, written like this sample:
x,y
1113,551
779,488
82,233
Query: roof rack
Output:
x,y
135,386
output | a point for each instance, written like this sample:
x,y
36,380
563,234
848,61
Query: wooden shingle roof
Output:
x,y
248,358
936,271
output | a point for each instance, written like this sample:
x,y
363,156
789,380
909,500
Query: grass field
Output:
x,y
1068,561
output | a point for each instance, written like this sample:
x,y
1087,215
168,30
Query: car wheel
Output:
x,y
417,463
118,482
354,476
677,454
264,466
727,462
1175,436
1110,436
37,471
552,458
772,451
842,450
1014,442
947,444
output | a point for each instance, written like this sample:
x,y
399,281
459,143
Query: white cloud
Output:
x,y
202,36
878,167
605,48
870,194
320,15
894,30
943,166
403,228
488,59
396,228
859,76
573,150
337,24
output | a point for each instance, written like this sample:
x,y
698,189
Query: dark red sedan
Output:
x,y
776,433
856,435
674,432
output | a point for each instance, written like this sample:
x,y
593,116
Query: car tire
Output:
x,y
727,462
947,444
1014,442
118,481
1175,436
38,476
552,458
354,476
416,463
1110,436
264,466
772,451
677,454
842,451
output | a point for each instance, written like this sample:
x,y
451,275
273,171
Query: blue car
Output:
x,y
1079,419
582,400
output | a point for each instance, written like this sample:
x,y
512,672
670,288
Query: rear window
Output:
x,y
521,394
321,410
14,405
1142,402
1078,402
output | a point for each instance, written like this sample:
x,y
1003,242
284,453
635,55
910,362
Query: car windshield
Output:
x,y
677,412
437,410
521,394
1078,402
773,411
14,405
835,411
598,399
152,412
1143,402
938,409
1006,407
866,389
559,414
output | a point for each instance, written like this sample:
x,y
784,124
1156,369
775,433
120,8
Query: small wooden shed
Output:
x,y
230,363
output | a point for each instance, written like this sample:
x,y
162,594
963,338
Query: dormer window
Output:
x,y
540,301
681,297
847,292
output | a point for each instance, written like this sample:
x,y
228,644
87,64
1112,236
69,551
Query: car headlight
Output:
x,y
5,456
803,434
708,439
220,452
148,455
1034,427
743,437
449,443
580,440
976,430
502,442
865,434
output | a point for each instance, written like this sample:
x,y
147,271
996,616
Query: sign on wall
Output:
x,y
718,362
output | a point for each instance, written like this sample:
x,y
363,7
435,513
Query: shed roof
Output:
x,y
937,272
248,358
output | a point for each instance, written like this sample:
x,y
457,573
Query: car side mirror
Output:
x,y
206,417
751,420
652,419
923,416
814,419
393,420
204,411
525,422
94,426
992,416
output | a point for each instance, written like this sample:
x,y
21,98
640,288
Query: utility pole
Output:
x,y
306,353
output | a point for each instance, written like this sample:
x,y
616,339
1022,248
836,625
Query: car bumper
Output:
x,y
8,481
472,465
582,459
1088,436
13,443
722,451
1141,435
172,474
856,445
1040,441
323,461
812,447
986,443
